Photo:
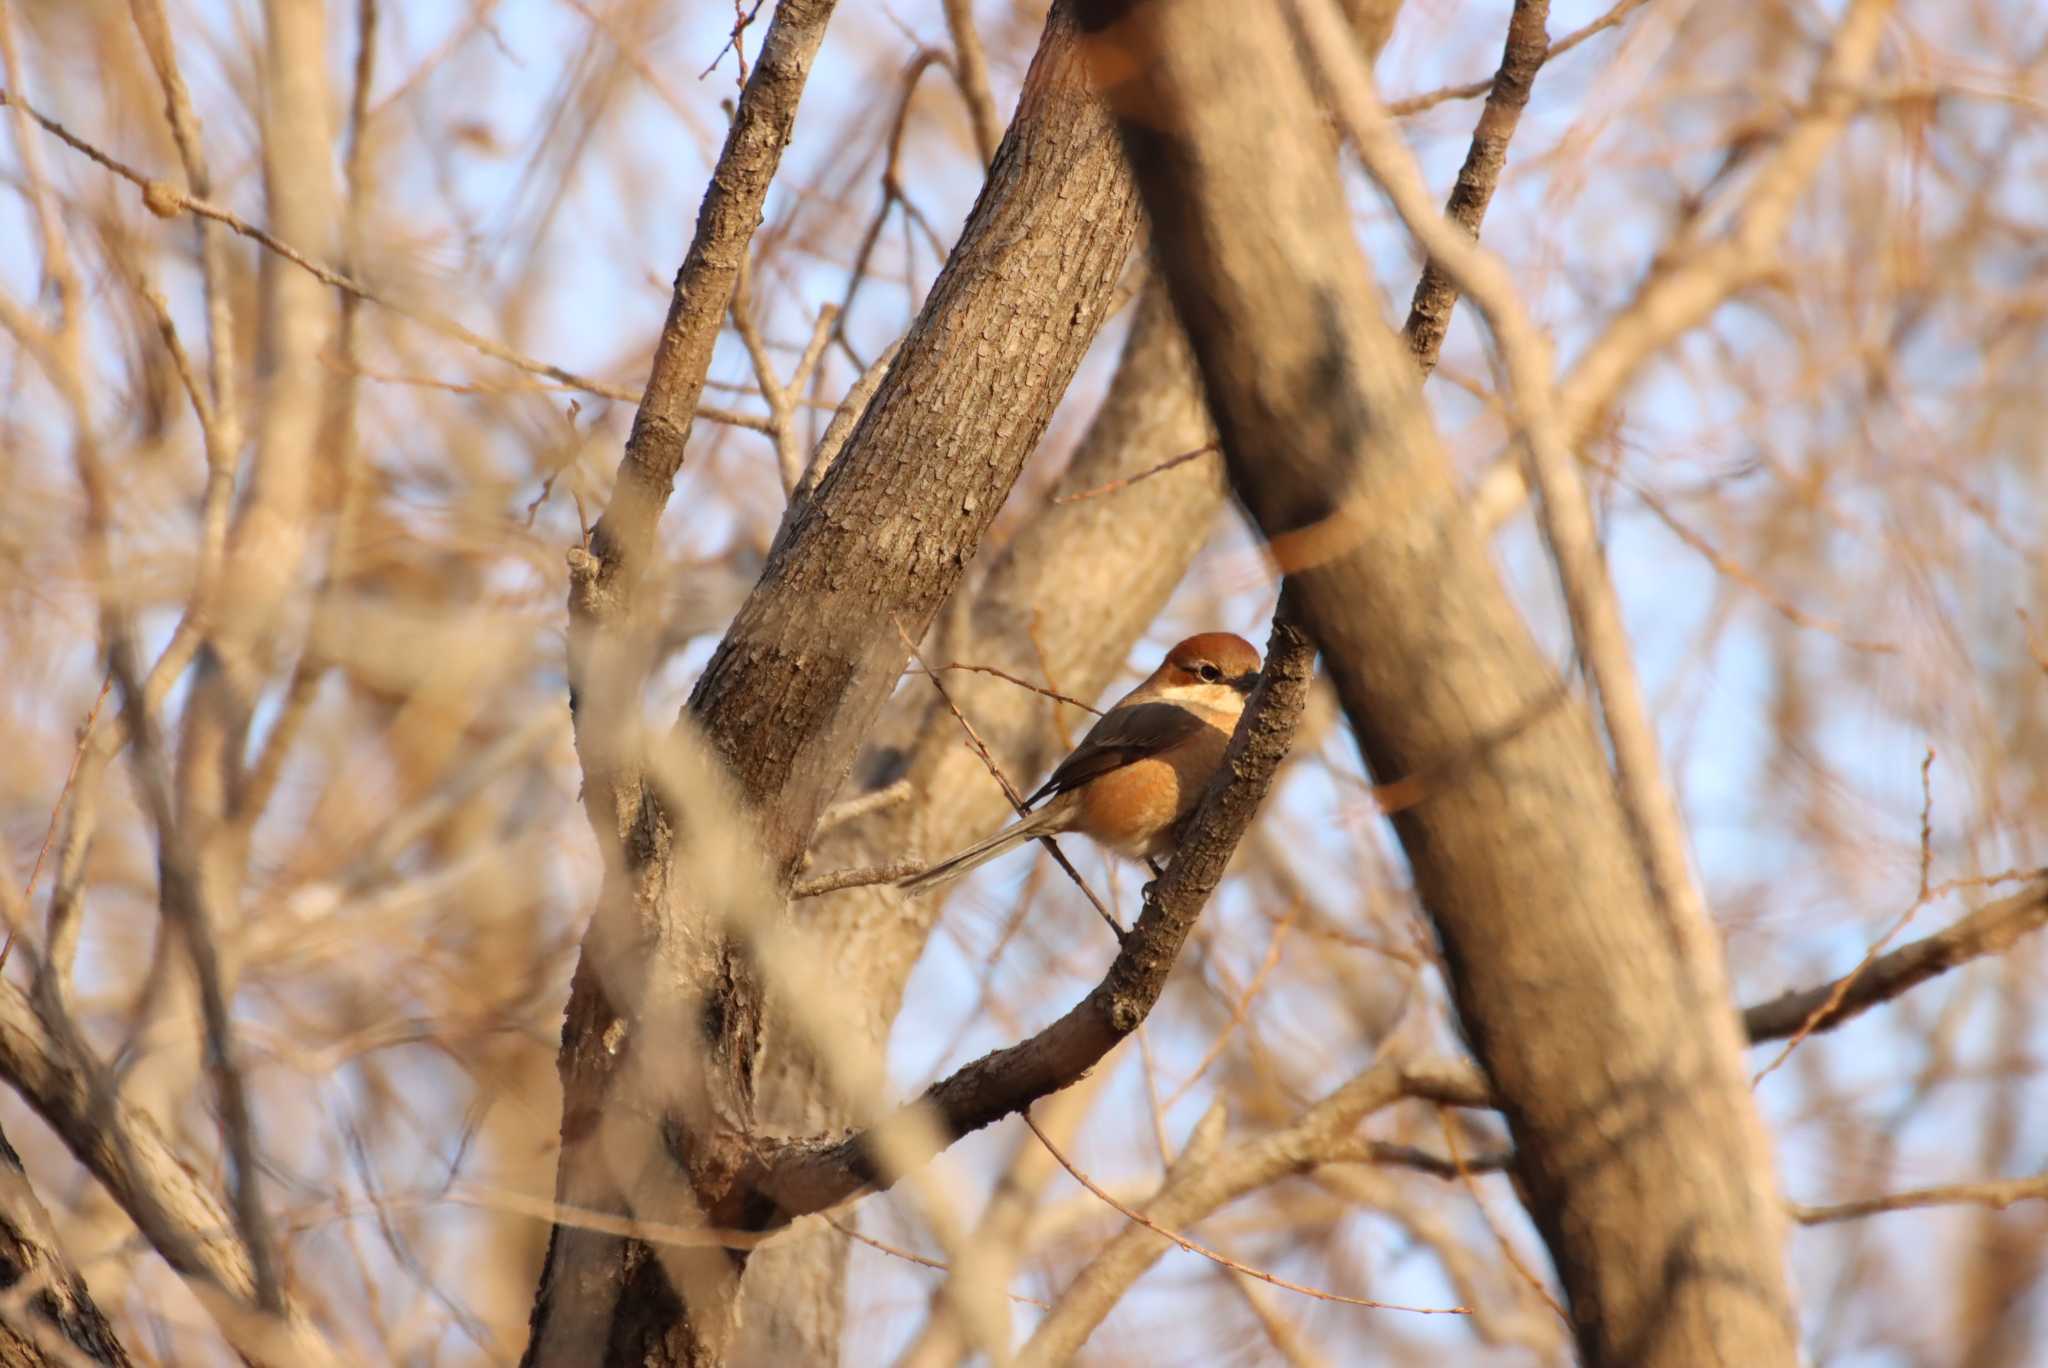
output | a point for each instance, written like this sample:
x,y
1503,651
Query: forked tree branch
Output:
x,y
791,694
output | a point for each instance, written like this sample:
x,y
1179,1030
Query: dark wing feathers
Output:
x,y
1121,737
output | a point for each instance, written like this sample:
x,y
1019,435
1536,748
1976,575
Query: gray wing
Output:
x,y
1122,736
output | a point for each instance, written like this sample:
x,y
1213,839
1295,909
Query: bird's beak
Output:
x,y
1246,682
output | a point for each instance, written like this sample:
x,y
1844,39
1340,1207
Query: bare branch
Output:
x,y
1990,930
1996,1195
1429,316
1472,90
811,1176
970,69
1193,1248
1203,1180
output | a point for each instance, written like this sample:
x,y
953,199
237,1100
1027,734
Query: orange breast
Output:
x,y
1134,810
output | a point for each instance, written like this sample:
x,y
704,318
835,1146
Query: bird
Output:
x,y
1137,775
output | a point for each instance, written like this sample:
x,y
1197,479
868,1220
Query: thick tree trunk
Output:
x,y
785,702
1637,1144
1080,582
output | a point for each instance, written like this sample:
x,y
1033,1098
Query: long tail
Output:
x,y
1047,821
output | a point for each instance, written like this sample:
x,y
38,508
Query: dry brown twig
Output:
x,y
1685,288
1831,1005
28,889
1472,90
1170,463
167,201
1233,1265
1995,1195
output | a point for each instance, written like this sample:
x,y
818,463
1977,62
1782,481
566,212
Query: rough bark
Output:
x,y
804,669
1633,1133
1080,582
596,1288
49,1316
1527,45
787,699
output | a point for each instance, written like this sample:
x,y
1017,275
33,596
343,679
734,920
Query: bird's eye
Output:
x,y
1209,673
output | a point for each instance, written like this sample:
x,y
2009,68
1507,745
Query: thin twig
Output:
x,y
1500,1236
909,1257
1125,483
28,890
855,878
1194,1248
1009,790
1053,694
1734,570
839,814
1472,90
1243,1005
1996,1195
1848,981
970,73
167,201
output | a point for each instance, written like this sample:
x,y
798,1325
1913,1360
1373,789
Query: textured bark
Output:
x,y
1081,581
1527,45
804,669
596,1288
1064,603
1633,1134
51,1316
785,702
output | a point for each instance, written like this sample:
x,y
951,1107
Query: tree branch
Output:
x,y
1996,1195
1990,930
1436,294
810,1176
58,1322
793,690
1200,1182
173,1208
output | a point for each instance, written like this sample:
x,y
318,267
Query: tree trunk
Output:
x,y
1637,1145
785,702
1080,582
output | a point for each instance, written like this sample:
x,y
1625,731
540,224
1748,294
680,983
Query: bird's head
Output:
x,y
1216,669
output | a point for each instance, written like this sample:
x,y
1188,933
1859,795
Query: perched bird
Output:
x,y
1140,770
